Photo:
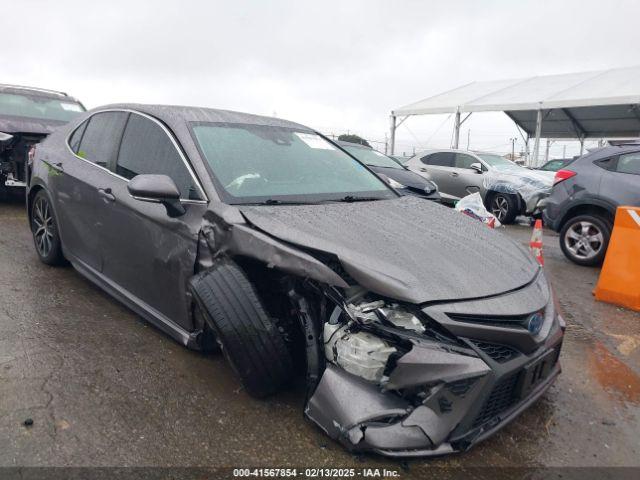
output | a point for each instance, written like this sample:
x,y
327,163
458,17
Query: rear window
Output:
x,y
38,107
629,163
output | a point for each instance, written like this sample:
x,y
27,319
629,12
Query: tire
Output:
x,y
248,338
44,228
584,239
504,206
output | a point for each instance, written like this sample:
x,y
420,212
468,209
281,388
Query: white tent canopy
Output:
x,y
596,104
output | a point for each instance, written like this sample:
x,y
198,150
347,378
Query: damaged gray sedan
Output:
x,y
418,330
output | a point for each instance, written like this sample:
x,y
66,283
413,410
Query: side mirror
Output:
x,y
157,189
477,166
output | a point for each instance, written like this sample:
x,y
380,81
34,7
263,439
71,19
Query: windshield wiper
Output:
x,y
273,201
354,198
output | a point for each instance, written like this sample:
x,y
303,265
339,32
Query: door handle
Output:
x,y
454,174
422,169
106,194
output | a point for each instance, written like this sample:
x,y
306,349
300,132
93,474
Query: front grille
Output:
x,y
502,397
512,321
497,352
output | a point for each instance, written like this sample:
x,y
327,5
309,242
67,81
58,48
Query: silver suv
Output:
x,y
507,189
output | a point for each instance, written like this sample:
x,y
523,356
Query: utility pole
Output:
x,y
513,149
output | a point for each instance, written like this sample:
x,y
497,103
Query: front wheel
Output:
x,y
504,207
584,239
247,336
45,230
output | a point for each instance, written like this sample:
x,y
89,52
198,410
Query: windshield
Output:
x,y
371,157
257,163
496,161
43,108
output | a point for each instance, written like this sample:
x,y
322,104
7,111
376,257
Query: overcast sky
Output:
x,y
333,65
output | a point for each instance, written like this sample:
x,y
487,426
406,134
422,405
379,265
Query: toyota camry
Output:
x,y
417,330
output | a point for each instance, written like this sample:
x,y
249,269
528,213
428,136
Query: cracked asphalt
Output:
x,y
104,388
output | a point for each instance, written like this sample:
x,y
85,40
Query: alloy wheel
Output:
x,y
43,227
584,240
499,207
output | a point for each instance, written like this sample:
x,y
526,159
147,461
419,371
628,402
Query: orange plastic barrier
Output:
x,y
619,281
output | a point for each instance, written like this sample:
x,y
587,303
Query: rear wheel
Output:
x,y
504,207
584,239
45,230
247,336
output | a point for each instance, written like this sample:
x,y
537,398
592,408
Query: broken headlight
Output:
x,y
393,314
357,349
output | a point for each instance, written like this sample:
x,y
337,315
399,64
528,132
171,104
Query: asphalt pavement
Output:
x,y
104,388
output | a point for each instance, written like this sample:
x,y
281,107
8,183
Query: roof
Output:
x,y
174,115
588,104
42,92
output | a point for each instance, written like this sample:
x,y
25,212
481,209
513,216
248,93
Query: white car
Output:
x,y
507,189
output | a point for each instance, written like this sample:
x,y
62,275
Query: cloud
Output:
x,y
334,65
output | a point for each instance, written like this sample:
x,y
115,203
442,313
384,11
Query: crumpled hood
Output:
x,y
406,248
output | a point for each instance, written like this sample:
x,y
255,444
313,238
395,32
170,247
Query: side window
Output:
x,y
464,161
442,159
74,140
101,137
146,148
629,163
607,163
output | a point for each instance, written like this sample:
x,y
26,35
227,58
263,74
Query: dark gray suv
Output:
x,y
585,196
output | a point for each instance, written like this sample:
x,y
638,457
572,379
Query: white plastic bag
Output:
x,y
473,206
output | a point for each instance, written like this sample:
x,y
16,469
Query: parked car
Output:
x,y
555,164
261,236
393,172
27,115
507,189
583,202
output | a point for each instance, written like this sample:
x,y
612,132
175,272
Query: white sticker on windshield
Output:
x,y
71,107
314,141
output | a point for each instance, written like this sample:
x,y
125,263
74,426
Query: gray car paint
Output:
x,y
397,248
406,249
593,186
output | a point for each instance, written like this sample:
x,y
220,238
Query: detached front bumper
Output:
x,y
456,415
436,399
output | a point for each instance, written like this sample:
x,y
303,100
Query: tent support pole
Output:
x,y
456,131
581,145
392,140
536,143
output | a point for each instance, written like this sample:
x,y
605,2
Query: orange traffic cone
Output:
x,y
535,245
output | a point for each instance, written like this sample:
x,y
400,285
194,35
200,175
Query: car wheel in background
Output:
x,y
247,336
504,207
584,239
45,230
